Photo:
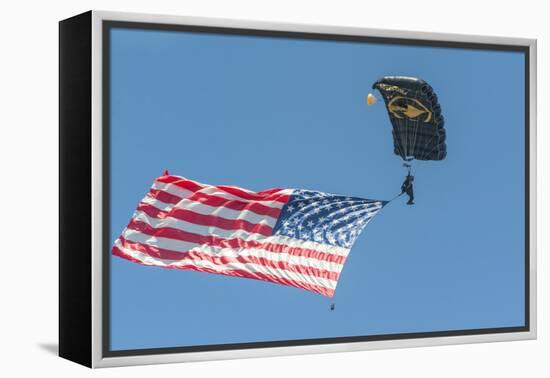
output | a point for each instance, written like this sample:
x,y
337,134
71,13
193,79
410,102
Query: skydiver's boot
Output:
x,y
410,201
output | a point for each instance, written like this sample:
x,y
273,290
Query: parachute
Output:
x,y
415,114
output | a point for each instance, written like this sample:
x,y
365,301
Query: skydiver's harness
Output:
x,y
407,186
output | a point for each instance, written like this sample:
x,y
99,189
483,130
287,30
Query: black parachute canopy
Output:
x,y
415,114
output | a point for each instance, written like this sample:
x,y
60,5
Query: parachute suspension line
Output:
x,y
407,127
425,151
410,133
415,134
414,125
395,134
411,136
417,126
402,141
396,131
398,141
410,148
410,124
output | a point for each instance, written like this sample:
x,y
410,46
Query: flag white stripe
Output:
x,y
172,189
238,234
306,244
252,268
196,228
182,246
214,191
218,211
282,191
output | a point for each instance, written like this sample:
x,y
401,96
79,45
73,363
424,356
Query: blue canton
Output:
x,y
325,218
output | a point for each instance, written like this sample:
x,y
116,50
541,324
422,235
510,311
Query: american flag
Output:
x,y
292,237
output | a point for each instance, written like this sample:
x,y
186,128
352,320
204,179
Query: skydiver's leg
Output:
x,y
410,193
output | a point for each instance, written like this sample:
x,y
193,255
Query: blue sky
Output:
x,y
263,112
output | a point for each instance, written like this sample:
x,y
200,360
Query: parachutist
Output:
x,y
332,307
407,187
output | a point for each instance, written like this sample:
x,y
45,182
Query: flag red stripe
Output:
x,y
206,220
215,201
266,195
197,255
240,273
214,241
181,182
262,196
270,191
117,252
257,208
165,197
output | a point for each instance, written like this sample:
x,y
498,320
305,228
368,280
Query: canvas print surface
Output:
x,y
270,188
